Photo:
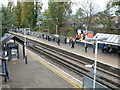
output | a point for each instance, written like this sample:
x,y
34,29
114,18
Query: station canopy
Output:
x,y
112,39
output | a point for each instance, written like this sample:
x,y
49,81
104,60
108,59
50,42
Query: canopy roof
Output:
x,y
112,39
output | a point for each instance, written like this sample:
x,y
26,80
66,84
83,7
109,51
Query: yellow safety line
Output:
x,y
75,86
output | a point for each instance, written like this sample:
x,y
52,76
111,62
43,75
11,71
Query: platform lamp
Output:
x,y
95,60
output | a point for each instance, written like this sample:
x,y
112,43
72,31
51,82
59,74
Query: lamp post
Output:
x,y
95,60
95,63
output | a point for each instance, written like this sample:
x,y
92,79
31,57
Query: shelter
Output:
x,y
112,39
12,49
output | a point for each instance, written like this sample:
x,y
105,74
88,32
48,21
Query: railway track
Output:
x,y
76,65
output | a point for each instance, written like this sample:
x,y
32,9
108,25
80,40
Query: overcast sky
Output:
x,y
100,3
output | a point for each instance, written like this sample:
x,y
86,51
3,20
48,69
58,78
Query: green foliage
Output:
x,y
7,19
56,14
17,15
36,28
21,15
87,10
26,13
79,13
117,4
68,31
105,18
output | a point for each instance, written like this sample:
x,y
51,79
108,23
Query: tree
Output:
x,y
105,18
87,10
24,19
7,17
29,13
17,14
79,13
4,20
37,9
57,12
117,5
78,16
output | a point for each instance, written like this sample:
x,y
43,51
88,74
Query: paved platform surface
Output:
x,y
33,75
79,49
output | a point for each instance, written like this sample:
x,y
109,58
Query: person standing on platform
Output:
x,y
70,40
53,39
43,36
58,41
50,38
73,43
93,47
65,40
86,46
104,48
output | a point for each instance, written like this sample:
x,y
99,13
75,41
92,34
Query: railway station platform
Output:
x,y
38,73
105,58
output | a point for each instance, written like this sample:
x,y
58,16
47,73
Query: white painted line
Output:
x,y
56,67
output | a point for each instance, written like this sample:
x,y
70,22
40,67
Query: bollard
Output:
x,y
26,59
23,51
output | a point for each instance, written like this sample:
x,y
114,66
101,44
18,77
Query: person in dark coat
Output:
x,y
73,43
43,36
48,38
53,39
94,47
86,46
58,41
70,40
104,48
65,40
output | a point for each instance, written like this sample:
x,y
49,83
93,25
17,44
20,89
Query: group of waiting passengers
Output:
x,y
71,41
110,49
